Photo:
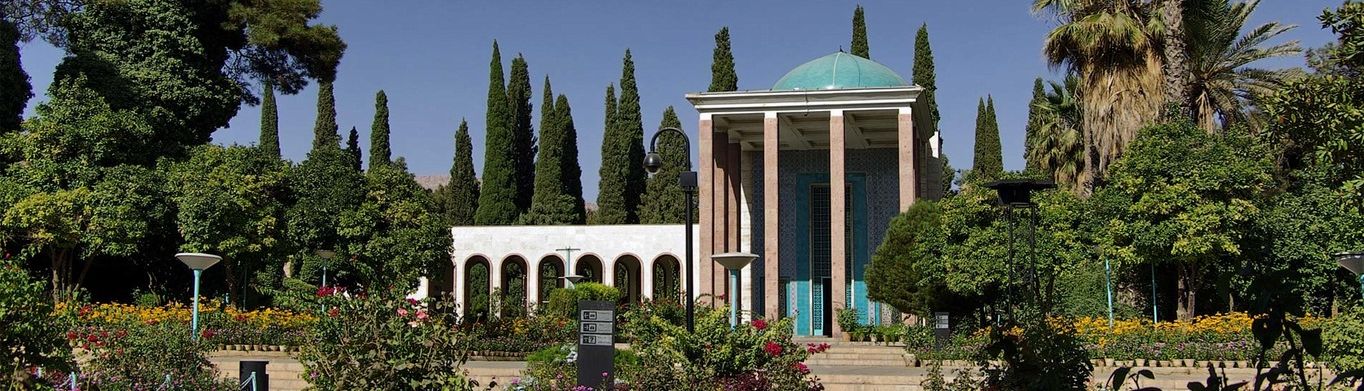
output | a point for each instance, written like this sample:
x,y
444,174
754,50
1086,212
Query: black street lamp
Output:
x,y
1017,194
652,163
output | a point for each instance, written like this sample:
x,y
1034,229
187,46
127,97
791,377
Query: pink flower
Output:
x,y
759,324
800,366
411,301
402,312
772,348
421,314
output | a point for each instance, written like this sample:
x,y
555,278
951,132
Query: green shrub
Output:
x,y
145,357
563,303
384,343
31,334
847,319
1343,338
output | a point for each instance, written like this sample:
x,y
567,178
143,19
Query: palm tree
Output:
x,y
1059,146
1223,89
1113,46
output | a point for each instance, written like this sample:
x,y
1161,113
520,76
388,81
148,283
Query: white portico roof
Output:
x,y
870,115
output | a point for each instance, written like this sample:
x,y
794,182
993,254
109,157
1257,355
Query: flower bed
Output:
x,y
219,325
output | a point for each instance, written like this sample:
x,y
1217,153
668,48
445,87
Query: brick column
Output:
x,y
837,216
771,229
909,173
706,199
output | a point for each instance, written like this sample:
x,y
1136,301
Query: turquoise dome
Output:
x,y
837,71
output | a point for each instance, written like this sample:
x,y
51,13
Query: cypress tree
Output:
x,y
988,162
523,136
859,40
722,74
630,121
664,202
15,89
269,122
497,198
324,130
612,187
572,171
550,205
462,200
353,149
1039,98
924,73
379,150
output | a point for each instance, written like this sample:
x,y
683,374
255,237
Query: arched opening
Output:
x,y
627,278
589,267
667,283
513,298
477,289
551,270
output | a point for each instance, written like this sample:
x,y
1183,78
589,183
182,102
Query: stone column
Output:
x,y
495,285
716,278
908,164
771,207
646,277
532,284
837,216
706,200
460,285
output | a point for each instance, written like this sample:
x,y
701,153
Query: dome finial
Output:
x,y
840,48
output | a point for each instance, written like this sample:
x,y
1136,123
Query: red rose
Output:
x,y
772,348
759,324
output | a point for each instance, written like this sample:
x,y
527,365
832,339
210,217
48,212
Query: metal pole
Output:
x,y
1155,312
733,298
194,317
325,261
1009,289
691,298
1108,283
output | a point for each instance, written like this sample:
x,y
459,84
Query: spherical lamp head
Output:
x,y
653,162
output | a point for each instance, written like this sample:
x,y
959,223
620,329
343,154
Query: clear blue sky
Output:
x,y
431,57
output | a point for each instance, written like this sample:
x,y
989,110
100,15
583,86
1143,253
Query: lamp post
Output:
x,y
326,259
569,275
197,262
687,179
1354,262
734,262
1017,194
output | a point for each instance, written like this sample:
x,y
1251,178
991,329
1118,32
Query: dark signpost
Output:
x,y
941,329
596,352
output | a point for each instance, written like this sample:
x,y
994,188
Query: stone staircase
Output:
x,y
843,353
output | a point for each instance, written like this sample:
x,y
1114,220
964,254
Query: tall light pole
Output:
x,y
326,259
197,262
687,179
733,262
569,275
1017,194
1354,262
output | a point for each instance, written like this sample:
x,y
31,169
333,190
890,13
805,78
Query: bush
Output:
x,y
30,331
160,355
384,343
753,356
1343,338
563,303
847,319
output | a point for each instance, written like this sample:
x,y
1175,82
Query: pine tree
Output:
x,y
924,73
324,130
461,201
859,40
1039,97
631,124
269,122
15,89
379,150
550,205
989,160
353,149
523,136
722,74
612,186
664,201
572,171
497,198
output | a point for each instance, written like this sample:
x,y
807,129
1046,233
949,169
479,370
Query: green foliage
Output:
x,y
497,198
630,142
228,203
130,356
572,171
381,342
847,319
757,355
989,159
394,236
458,199
379,151
322,188
563,303
1039,356
664,201
1183,197
897,274
613,185
722,74
269,122
1039,97
859,37
32,331
523,140
15,89
925,75
1343,338
552,205
324,129
353,149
